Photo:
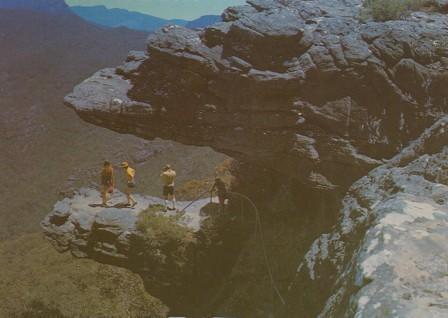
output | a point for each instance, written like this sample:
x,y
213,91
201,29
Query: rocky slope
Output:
x,y
301,87
386,256
305,97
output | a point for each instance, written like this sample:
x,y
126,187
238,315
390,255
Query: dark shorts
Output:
x,y
168,190
131,185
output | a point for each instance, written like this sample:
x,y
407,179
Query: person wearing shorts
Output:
x,y
130,183
168,176
107,182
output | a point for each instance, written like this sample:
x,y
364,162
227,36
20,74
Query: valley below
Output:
x,y
48,152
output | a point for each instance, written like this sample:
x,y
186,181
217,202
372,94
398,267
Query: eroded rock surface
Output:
x,y
387,255
301,87
98,232
182,267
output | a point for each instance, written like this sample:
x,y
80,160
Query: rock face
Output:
x,y
103,232
386,256
181,267
301,87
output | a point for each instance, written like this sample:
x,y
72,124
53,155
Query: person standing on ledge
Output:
x,y
130,180
168,176
221,188
107,182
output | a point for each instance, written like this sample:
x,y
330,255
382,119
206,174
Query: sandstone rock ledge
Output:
x,y
176,258
103,232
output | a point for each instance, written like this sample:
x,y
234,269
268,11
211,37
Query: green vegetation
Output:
x,y
38,282
184,268
152,208
166,241
384,10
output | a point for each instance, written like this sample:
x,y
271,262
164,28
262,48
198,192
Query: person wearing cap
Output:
x,y
130,181
168,176
107,182
221,189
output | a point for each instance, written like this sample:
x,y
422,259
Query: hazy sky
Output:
x,y
183,9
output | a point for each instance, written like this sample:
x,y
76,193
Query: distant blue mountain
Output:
x,y
134,20
123,18
204,21
53,6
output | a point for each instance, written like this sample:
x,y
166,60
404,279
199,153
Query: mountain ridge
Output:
x,y
121,17
204,21
52,6
116,17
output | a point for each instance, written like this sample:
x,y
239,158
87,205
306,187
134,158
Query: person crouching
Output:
x,y
220,187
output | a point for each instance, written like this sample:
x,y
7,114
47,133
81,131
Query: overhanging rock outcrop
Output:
x,y
301,87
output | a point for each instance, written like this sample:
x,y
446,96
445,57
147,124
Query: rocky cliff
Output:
x,y
301,87
386,256
176,253
305,97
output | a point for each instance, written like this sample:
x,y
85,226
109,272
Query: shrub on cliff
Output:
x,y
167,244
384,10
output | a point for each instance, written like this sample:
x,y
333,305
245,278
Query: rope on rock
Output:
x,y
263,244
194,201
259,229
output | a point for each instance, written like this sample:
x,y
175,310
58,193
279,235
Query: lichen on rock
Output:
x,y
386,252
